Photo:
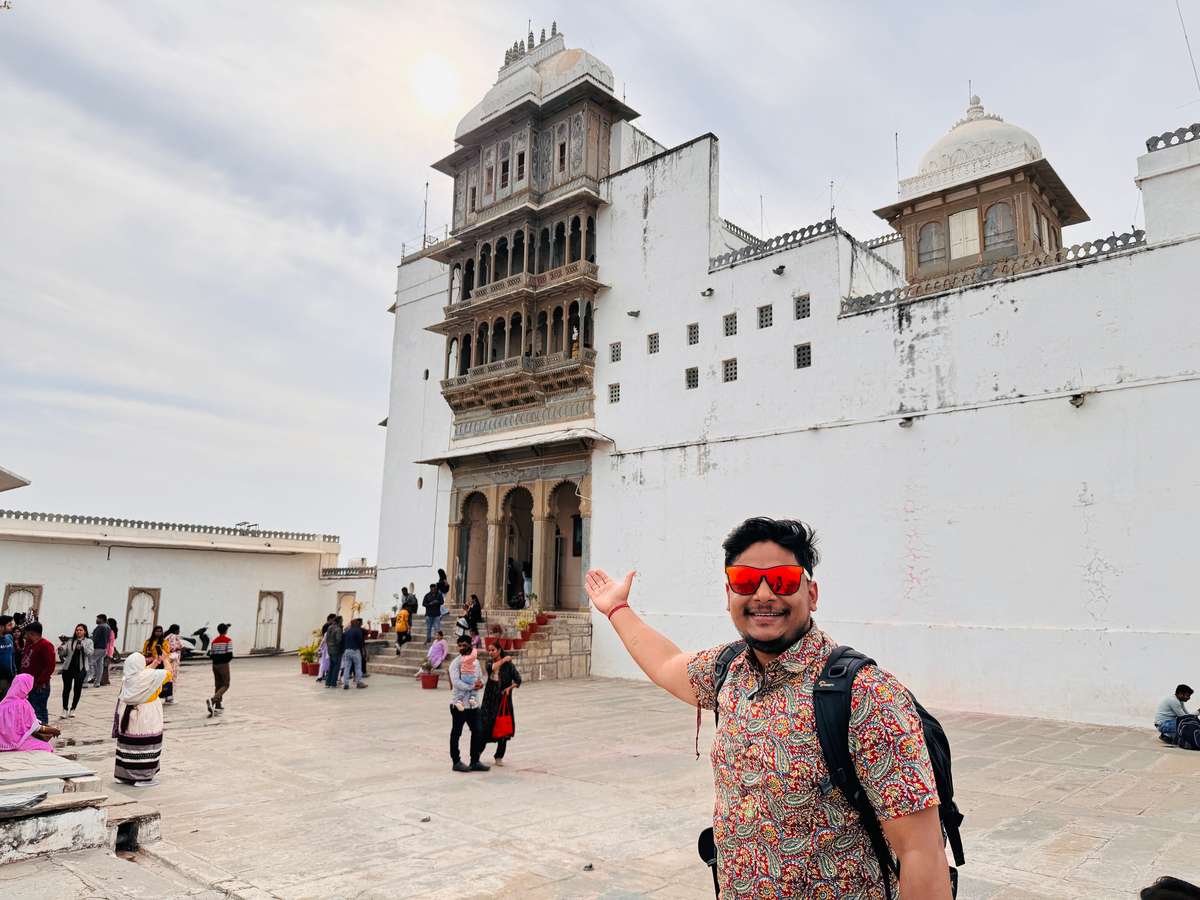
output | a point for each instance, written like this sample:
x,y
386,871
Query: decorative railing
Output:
x,y
883,240
524,281
563,360
742,234
784,241
455,382
579,268
1172,138
176,527
526,196
1001,160
350,572
407,255
869,251
497,366
512,283
1005,268
536,364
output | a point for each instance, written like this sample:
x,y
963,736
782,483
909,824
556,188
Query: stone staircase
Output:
x,y
562,648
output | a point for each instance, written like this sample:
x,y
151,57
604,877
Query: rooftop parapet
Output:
x,y
11,515
1173,138
1089,251
785,241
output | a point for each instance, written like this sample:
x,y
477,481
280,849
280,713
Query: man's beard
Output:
x,y
779,644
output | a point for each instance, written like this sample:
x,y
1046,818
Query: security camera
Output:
x,y
707,292
1077,400
778,270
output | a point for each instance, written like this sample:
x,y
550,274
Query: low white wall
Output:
x,y
198,587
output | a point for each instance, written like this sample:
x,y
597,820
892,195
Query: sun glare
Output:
x,y
434,84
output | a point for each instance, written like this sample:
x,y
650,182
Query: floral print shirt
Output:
x,y
778,834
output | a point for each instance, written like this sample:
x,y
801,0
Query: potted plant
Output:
x,y
524,621
494,635
429,678
540,617
308,658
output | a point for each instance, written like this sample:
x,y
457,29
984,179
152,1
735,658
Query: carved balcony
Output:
x,y
545,284
519,380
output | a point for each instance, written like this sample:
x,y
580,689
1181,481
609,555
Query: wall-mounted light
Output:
x,y
707,292
1077,400
778,270
906,422
633,313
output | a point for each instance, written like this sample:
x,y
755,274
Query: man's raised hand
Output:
x,y
606,593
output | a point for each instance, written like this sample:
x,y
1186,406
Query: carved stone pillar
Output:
x,y
542,529
585,559
452,564
495,526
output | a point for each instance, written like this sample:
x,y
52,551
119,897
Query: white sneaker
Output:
x,y
151,783
497,762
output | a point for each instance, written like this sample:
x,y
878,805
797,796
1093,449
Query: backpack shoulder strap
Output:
x,y
721,670
831,708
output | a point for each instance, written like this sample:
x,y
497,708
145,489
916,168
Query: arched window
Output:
x,y
573,330
464,359
456,284
589,252
481,345
516,335
556,331
499,340
576,240
560,246
485,263
543,254
517,264
501,266
452,359
931,244
468,279
542,344
999,228
587,327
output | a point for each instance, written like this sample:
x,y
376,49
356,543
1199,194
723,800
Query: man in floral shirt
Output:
x,y
780,830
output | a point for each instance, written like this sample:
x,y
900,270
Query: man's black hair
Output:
x,y
222,628
5,619
1183,689
102,616
790,534
19,618
34,627
463,640
1168,888
174,629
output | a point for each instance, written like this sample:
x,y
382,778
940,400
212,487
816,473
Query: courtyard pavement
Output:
x,y
303,792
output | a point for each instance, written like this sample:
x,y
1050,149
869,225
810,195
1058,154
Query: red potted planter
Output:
x,y
506,643
491,642
309,668
429,680
542,618
386,627
517,643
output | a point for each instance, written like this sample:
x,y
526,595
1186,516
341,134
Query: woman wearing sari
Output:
x,y
174,655
19,725
138,722
155,651
502,678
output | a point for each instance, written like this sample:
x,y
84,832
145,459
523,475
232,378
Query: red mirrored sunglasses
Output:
x,y
782,580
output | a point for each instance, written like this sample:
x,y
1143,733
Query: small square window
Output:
x,y
652,343
694,333
729,370
614,393
614,351
691,378
731,324
802,307
766,316
504,173
521,166
803,356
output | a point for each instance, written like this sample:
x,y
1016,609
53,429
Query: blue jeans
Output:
x,y
331,674
431,627
38,698
1167,729
351,662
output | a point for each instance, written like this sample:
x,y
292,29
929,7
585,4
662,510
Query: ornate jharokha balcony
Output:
x,y
573,274
519,380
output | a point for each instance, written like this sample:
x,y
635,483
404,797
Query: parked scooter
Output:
x,y
195,645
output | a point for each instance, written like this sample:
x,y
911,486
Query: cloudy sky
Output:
x,y
203,204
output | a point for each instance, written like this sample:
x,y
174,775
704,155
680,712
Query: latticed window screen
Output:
x,y
766,316
802,307
694,333
614,351
731,324
691,378
652,343
729,370
614,393
803,356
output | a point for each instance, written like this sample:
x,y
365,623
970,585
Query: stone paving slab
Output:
x,y
303,792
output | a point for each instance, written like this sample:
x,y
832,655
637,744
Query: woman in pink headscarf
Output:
x,y
18,722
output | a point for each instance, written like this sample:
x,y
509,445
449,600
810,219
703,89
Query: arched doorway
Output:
x,y
269,631
22,598
518,547
141,615
472,549
566,556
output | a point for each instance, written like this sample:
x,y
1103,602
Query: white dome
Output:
x,y
977,138
538,76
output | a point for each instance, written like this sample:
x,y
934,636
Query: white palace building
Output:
x,y
994,434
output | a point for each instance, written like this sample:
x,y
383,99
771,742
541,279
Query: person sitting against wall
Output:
x,y
19,725
1166,719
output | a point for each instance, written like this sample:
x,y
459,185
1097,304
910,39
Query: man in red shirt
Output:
x,y
37,660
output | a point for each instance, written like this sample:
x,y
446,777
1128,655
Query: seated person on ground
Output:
x,y
1169,711
19,725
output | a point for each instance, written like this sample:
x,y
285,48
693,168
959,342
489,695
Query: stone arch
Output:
x,y
471,577
451,358
501,260
516,334
575,244
556,331
541,343
517,559
481,344
543,252
499,340
573,329
517,256
588,337
589,244
485,263
566,551
558,255
468,283
464,357
456,283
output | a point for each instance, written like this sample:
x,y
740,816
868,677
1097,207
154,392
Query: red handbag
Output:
x,y
503,727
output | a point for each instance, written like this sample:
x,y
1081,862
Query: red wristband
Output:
x,y
615,608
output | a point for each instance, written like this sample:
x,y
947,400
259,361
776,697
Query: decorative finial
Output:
x,y
553,29
507,56
975,110
530,41
522,48
543,40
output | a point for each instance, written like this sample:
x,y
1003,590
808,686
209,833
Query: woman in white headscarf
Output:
x,y
138,722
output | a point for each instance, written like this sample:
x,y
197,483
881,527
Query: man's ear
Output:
x,y
814,593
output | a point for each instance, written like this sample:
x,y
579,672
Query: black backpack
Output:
x,y
831,707
1187,733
